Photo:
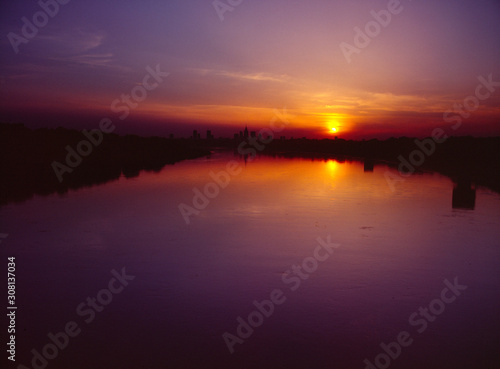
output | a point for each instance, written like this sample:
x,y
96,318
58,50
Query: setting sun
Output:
x,y
334,129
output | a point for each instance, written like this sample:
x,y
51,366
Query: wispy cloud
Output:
x,y
74,41
255,76
96,60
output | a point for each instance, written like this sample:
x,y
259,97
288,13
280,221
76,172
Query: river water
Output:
x,y
295,263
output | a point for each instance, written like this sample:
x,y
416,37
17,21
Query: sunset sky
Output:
x,y
228,70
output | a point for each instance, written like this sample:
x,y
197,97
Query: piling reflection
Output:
x,y
368,166
464,194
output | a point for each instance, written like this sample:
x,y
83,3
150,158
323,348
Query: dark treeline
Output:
x,y
465,159
26,158
461,158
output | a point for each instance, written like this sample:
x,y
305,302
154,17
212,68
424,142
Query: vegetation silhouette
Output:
x,y
475,158
26,158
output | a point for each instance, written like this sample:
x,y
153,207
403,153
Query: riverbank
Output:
x,y
45,161
470,159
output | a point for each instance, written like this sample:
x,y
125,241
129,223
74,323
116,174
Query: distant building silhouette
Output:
x,y
209,135
195,134
246,132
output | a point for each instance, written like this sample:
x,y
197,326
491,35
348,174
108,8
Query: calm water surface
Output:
x,y
193,281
